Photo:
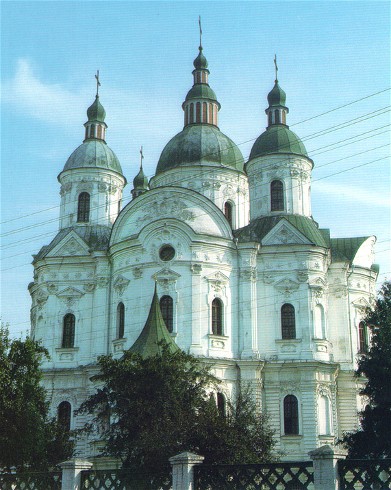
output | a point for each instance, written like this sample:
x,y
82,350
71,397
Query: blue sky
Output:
x,y
329,54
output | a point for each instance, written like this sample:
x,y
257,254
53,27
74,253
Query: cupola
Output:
x,y
140,182
201,105
96,126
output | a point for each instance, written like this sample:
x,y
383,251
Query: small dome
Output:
x,y
141,180
93,153
201,91
278,139
276,97
200,63
200,144
96,111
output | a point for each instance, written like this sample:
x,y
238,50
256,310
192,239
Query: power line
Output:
x,y
248,141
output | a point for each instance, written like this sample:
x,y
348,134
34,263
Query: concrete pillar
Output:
x,y
71,473
183,470
325,461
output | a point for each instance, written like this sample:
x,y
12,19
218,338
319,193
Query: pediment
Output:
x,y
70,292
120,284
70,245
217,277
361,304
166,275
283,234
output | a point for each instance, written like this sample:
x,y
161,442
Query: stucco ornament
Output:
x,y
166,208
120,284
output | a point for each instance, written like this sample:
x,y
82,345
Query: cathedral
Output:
x,y
243,276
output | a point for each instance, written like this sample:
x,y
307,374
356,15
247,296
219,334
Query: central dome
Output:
x,y
200,144
93,153
278,139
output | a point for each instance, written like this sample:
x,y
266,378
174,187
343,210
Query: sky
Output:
x,y
333,64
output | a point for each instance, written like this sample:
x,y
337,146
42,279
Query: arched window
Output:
x,y
221,406
362,337
120,321
167,309
217,317
83,208
288,323
191,113
269,116
277,116
64,415
68,331
187,115
210,113
319,327
324,415
291,415
228,212
276,196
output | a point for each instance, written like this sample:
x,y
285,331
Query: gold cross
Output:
x,y
97,82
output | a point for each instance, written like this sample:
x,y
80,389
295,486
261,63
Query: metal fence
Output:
x,y
269,476
31,481
364,474
118,480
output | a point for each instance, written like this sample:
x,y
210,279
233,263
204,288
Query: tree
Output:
x,y
29,439
373,438
161,405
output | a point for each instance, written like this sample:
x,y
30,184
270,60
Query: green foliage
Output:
x,y
373,438
160,406
28,438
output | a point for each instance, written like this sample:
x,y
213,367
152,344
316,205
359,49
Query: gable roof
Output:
x,y
96,237
260,227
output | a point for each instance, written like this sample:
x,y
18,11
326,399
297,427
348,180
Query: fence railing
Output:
x,y
118,480
364,474
269,476
31,481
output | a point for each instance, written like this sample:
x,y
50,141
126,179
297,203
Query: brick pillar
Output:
x,y
325,461
71,473
183,470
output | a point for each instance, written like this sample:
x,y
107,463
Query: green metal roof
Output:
x,y
343,249
276,97
155,332
200,144
201,91
200,63
96,237
93,153
141,180
96,111
278,139
259,228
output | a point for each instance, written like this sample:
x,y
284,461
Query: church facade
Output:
x,y
246,279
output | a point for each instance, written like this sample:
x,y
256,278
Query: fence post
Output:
x,y
71,473
183,470
325,461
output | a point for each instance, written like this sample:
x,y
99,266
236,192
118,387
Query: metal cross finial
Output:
x,y
275,64
199,23
97,82
141,157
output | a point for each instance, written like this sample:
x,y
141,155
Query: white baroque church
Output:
x,y
246,279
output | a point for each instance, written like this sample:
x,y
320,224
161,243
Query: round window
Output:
x,y
166,253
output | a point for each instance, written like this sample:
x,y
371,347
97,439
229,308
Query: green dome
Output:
x,y
278,139
96,111
276,97
200,144
200,63
201,91
93,154
140,181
